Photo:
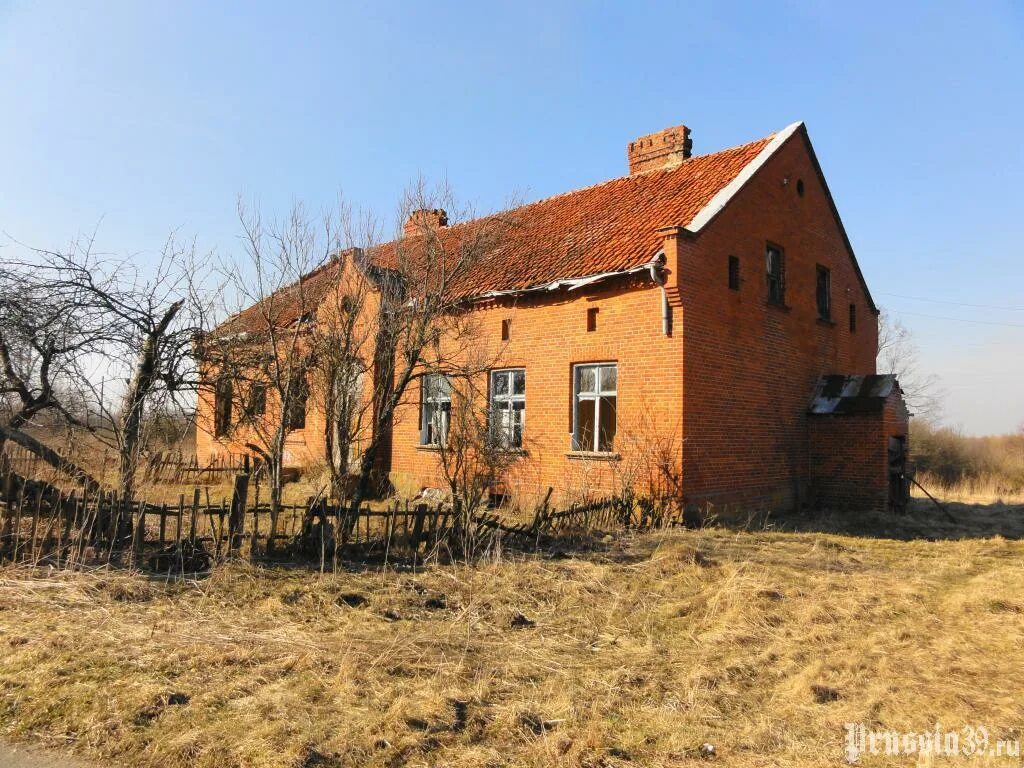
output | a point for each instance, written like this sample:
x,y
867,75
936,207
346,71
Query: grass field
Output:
x,y
762,644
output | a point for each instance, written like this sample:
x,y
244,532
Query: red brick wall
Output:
x,y
849,462
547,339
749,367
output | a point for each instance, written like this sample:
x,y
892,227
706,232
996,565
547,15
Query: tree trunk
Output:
x,y
139,388
50,456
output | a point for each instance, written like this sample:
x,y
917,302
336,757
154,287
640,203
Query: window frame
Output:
x,y
506,402
428,401
824,310
595,396
773,278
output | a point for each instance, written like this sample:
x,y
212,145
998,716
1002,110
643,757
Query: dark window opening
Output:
x,y
591,319
506,330
734,273
298,395
257,405
800,187
853,318
775,267
222,408
824,293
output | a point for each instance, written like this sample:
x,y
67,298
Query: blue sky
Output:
x,y
148,117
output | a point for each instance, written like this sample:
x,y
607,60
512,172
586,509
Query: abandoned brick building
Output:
x,y
705,308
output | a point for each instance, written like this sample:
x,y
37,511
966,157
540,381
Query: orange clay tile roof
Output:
x,y
608,227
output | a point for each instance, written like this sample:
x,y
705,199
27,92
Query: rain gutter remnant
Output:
x,y
572,283
659,279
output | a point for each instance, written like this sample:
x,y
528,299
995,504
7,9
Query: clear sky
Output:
x,y
145,117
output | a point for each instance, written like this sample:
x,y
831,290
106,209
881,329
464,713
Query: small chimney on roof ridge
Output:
x,y
422,220
666,149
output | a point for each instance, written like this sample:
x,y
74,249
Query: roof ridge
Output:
x,y
599,184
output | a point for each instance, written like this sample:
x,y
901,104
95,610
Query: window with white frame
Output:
x,y
436,408
508,406
594,406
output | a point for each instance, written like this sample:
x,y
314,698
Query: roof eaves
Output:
x,y
571,284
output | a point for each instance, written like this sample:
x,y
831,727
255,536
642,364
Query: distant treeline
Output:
x,y
947,458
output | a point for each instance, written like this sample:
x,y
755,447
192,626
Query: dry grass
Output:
x,y
984,489
638,655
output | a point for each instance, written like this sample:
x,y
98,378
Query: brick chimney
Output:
x,y
662,150
423,220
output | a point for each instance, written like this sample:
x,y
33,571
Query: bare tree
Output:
x,y
143,326
258,364
43,343
478,441
40,347
332,317
424,283
898,354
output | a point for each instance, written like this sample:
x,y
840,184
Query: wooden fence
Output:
x,y
179,469
158,467
40,523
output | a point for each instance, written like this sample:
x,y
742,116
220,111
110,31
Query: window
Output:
x,y
436,408
800,187
506,330
776,269
298,394
824,293
734,273
222,408
591,319
257,405
508,407
594,394
853,318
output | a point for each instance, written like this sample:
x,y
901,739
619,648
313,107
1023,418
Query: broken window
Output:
x,y
436,408
508,406
222,408
298,394
734,273
824,293
776,271
594,407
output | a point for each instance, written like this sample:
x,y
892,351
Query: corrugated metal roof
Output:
x,y
840,395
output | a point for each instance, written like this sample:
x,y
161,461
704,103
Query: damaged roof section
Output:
x,y
844,395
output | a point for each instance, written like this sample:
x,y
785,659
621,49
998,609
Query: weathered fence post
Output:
x,y
181,514
236,520
140,533
195,515
417,528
